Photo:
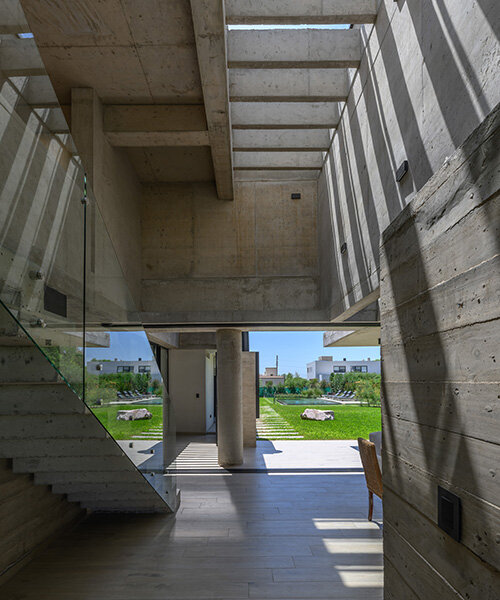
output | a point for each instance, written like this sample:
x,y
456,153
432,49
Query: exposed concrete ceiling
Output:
x,y
300,12
190,99
363,336
286,85
164,94
129,52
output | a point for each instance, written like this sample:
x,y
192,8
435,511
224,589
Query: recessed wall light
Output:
x,y
296,196
25,36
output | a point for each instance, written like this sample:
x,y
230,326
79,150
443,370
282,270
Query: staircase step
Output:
x,y
50,398
117,488
51,426
94,477
25,364
124,506
144,496
74,463
46,447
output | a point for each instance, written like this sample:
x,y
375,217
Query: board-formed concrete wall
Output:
x,y
29,516
248,385
428,76
440,298
255,257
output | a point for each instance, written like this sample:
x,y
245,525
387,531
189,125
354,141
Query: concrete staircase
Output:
x,y
49,432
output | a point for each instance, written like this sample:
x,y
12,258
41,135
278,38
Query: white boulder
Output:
x,y
138,414
314,414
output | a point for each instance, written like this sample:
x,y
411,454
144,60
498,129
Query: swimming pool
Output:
x,y
305,402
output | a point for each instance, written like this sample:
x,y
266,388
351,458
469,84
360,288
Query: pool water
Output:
x,y
305,402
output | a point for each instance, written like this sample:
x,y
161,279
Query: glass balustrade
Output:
x,y
63,288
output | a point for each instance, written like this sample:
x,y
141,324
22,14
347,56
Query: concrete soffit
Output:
x,y
287,87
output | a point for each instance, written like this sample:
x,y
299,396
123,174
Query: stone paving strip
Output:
x,y
155,433
271,426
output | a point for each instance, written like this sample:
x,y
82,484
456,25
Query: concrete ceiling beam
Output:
x,y
19,57
300,12
274,85
12,19
281,140
294,49
36,90
155,125
210,35
271,168
276,175
266,160
141,139
278,115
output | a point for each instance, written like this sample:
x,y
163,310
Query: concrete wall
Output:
x,y
249,398
429,75
204,259
440,293
41,222
29,516
115,185
187,389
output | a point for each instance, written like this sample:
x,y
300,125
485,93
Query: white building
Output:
x,y
322,368
271,376
106,367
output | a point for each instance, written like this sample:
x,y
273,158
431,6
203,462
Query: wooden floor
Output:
x,y
241,535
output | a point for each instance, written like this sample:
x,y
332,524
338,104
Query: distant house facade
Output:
x,y
322,368
271,376
107,367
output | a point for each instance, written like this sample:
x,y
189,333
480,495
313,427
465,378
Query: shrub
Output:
x,y
365,385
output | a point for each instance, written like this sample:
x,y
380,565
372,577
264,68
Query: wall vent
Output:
x,y
55,301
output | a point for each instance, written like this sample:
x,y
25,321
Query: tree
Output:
x,y
270,388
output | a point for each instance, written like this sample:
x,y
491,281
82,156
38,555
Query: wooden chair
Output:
x,y
373,475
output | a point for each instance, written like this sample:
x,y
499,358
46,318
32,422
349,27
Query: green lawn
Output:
x,y
124,430
350,422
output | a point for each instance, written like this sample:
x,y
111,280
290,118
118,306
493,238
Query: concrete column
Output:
x,y
168,414
229,397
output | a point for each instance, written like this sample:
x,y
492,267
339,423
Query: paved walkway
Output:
x,y
199,453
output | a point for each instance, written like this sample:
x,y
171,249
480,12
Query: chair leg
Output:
x,y
370,505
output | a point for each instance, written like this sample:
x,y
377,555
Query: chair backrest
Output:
x,y
373,475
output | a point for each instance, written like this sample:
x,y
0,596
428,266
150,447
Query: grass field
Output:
x,y
124,430
350,422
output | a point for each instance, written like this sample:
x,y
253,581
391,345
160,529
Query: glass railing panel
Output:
x,y
63,285
41,236
125,384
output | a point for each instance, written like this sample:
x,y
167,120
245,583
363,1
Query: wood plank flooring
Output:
x,y
239,535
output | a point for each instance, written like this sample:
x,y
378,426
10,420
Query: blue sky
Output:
x,y
294,349
125,345
288,26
